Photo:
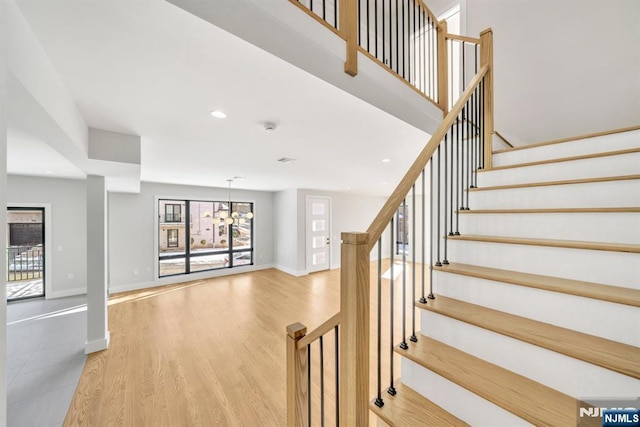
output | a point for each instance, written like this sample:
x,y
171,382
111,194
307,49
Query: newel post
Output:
x,y
486,58
354,330
443,70
349,27
297,387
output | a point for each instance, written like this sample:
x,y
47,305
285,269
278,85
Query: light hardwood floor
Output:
x,y
209,352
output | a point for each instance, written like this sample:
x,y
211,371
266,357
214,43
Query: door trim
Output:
x,y
47,242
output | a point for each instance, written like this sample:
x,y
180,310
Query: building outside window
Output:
x,y
193,236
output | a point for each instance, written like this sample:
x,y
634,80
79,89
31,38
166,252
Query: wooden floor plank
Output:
x,y
608,354
592,290
570,244
410,409
529,400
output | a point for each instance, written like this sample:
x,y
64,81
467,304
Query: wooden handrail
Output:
x,y
389,209
422,4
319,331
463,38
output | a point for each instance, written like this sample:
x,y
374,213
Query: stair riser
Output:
x,y
587,195
594,227
628,164
608,320
611,268
565,374
459,401
619,141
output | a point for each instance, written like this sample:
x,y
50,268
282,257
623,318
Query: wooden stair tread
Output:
x,y
409,408
562,182
551,210
619,357
571,244
564,159
616,294
530,400
570,139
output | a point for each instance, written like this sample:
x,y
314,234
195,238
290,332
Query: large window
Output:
x,y
196,235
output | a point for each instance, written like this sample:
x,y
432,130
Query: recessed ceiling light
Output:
x,y
386,160
50,172
218,114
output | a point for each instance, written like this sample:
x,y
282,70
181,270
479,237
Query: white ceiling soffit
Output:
x,y
151,69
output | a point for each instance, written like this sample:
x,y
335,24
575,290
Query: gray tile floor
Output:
x,y
45,357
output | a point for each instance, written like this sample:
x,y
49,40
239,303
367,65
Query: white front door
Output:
x,y
318,233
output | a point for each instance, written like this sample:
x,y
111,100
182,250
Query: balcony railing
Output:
x,y
24,263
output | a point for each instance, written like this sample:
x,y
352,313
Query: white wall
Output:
x,y
562,68
3,213
133,231
67,198
286,231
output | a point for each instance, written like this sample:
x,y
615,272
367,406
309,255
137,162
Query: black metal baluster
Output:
x,y
337,337
403,344
391,390
404,51
468,158
446,161
321,381
482,95
390,59
419,67
413,247
335,16
424,235
397,41
379,402
324,10
431,236
375,11
438,263
463,164
368,27
427,49
472,142
309,383
384,39
452,129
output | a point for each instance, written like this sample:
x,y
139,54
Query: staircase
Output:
x,y
538,312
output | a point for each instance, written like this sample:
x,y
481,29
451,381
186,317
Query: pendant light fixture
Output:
x,y
229,217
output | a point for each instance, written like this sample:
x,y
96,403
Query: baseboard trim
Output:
x,y
291,271
66,293
97,345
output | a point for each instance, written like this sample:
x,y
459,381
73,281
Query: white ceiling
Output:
x,y
148,68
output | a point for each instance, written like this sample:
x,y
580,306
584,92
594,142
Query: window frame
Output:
x,y
187,255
